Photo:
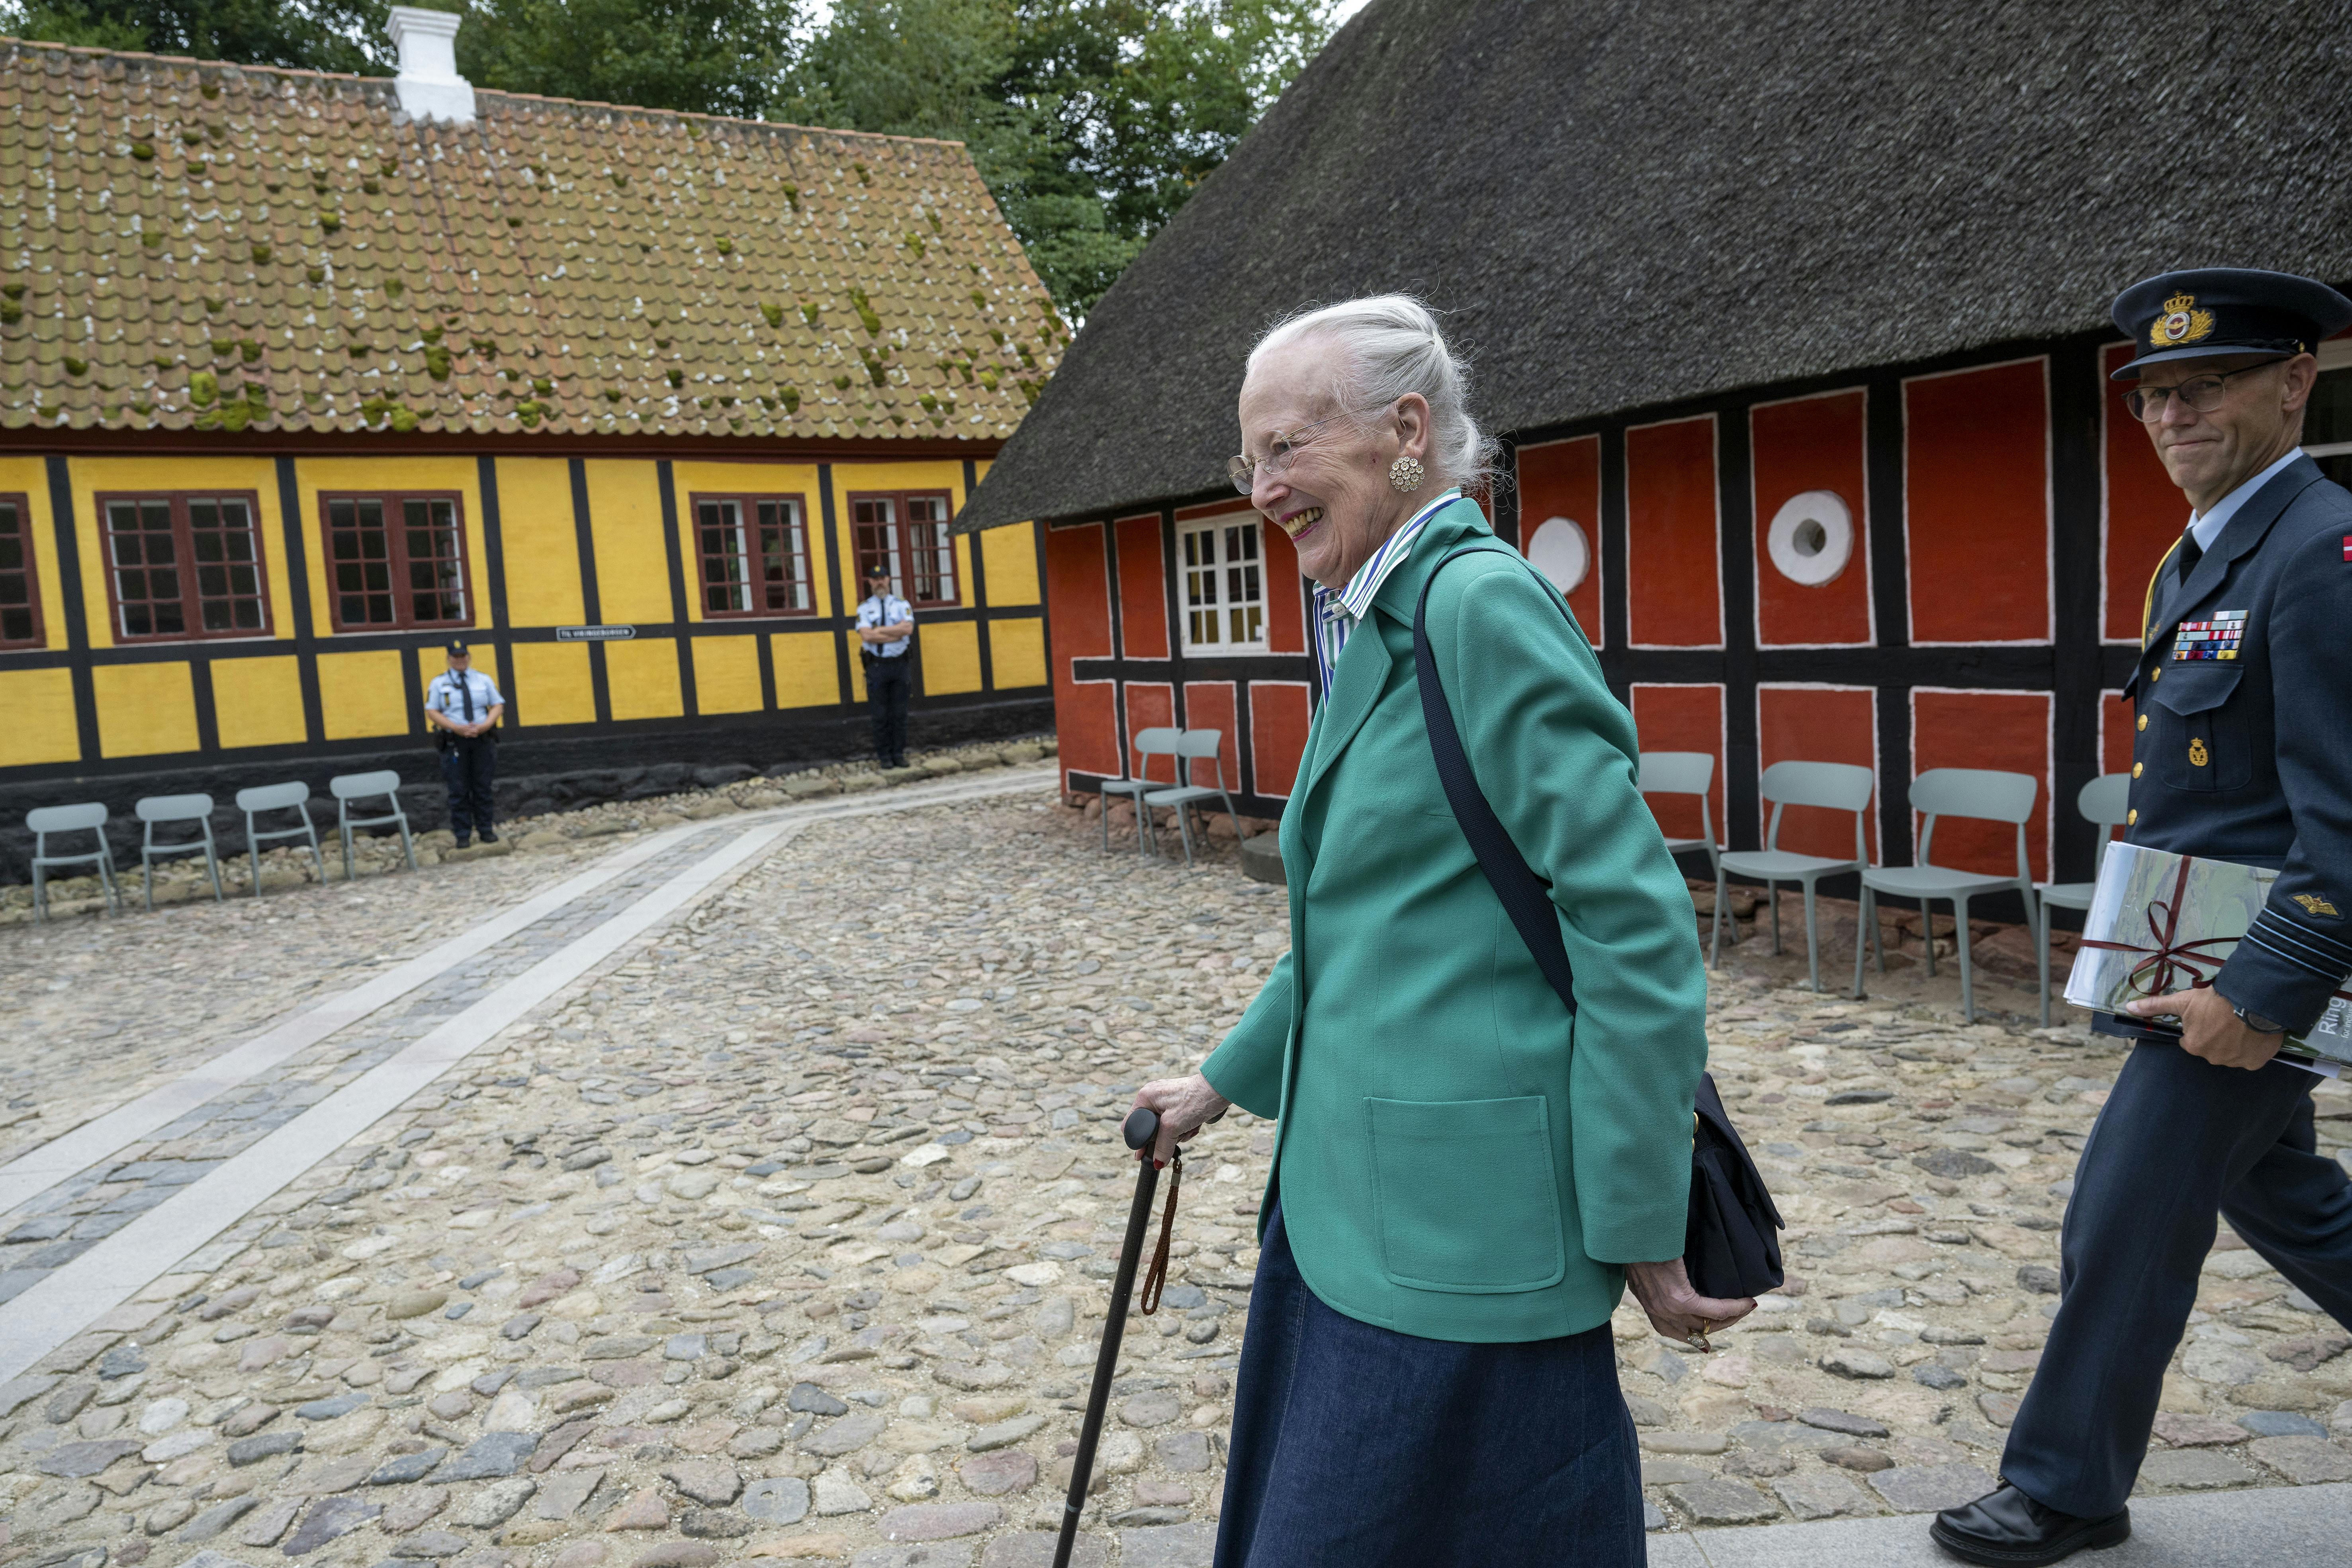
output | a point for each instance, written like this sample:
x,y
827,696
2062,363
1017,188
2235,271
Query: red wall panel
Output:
x,y
1976,490
1150,705
1563,478
1811,444
1285,592
1279,718
1674,592
1143,588
2145,513
1209,705
1818,724
2005,730
2116,731
1077,597
1683,719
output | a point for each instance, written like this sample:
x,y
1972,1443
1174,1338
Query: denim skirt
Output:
x,y
1357,1447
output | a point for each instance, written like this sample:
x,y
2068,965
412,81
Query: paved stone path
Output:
x,y
784,1234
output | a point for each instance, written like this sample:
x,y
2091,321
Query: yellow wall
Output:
x,y
40,727
539,543
632,555
941,474
1011,556
806,675
145,709
950,657
257,701
726,675
856,667
360,695
642,677
462,474
551,684
751,478
30,476
1016,651
92,476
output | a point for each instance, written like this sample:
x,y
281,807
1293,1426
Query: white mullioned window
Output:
x,y
1224,586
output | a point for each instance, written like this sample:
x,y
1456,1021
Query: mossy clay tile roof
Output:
x,y
188,245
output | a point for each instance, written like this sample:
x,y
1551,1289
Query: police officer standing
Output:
x,y
885,624
462,706
2241,752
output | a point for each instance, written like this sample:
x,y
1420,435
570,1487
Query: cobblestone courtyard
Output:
x,y
783,1230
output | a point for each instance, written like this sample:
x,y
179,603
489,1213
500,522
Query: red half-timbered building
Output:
x,y
1807,415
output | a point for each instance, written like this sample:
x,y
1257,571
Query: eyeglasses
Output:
x,y
1281,449
2201,392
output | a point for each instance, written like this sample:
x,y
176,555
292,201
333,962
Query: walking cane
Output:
x,y
1142,1125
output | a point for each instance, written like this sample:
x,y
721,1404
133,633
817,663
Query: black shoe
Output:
x,y
464,843
2006,1529
488,837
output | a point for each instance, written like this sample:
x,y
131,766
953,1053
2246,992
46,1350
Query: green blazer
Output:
x,y
1454,1161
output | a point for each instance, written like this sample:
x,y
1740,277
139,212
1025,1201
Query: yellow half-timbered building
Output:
x,y
295,386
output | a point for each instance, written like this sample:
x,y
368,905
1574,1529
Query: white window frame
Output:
x,y
1219,565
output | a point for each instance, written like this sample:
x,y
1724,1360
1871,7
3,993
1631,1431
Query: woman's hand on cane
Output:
x,y
1185,1106
1676,1310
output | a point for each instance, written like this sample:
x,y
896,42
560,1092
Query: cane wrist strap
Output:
x,y
1155,1278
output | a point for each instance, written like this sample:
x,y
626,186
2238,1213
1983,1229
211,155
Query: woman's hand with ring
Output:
x,y
1185,1106
1676,1310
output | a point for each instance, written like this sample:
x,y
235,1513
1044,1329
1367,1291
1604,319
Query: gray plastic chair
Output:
x,y
1685,773
195,808
1838,786
2106,800
293,797
1191,746
43,820
349,787
1155,742
1988,797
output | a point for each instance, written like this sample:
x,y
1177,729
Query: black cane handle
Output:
x,y
1141,1126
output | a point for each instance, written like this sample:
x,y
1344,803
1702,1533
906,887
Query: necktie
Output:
x,y
465,695
2191,553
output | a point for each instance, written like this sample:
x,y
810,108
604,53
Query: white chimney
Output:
x,y
428,82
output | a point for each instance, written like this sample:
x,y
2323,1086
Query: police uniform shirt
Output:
x,y
466,696
886,610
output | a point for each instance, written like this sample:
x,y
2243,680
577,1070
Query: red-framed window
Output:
x,y
20,597
183,566
395,561
906,536
754,555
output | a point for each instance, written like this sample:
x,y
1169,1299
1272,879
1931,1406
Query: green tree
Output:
x,y
312,35
705,56
1092,120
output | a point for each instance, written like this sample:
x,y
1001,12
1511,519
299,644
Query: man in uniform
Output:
x,y
462,706
885,624
2241,752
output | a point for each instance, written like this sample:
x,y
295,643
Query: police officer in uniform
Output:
x,y
886,625
462,706
2241,752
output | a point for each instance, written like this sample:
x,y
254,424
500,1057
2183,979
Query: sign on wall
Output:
x,y
594,634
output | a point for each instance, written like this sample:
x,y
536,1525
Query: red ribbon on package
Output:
x,y
2168,956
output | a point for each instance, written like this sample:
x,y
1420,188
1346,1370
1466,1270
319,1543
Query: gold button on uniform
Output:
x,y
2131,817
2155,675
2136,767
2143,721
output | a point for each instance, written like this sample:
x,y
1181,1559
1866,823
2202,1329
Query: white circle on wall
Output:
x,y
1561,552
1812,538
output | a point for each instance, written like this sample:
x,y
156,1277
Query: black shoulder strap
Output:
x,y
1522,892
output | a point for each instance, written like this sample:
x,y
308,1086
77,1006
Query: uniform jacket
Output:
x,y
1453,1162
2250,759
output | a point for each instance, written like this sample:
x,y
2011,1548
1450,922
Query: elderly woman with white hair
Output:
x,y
1467,1173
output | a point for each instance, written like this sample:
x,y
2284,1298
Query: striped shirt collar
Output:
x,y
1338,615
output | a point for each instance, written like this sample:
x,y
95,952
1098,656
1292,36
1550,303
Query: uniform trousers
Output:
x,y
2177,1139
469,767
888,683
1357,1446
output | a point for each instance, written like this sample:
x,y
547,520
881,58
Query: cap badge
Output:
x,y
2183,322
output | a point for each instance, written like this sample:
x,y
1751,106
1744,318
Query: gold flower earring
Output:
x,y
1404,475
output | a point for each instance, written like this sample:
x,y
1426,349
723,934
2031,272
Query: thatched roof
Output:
x,y
1627,203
